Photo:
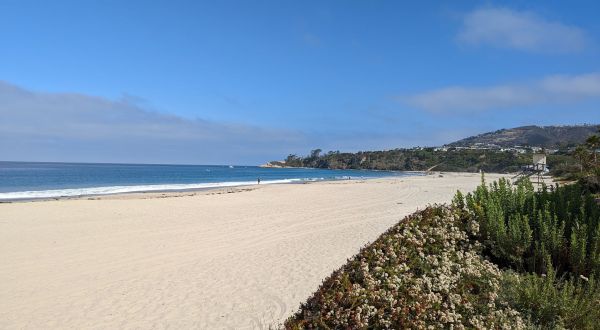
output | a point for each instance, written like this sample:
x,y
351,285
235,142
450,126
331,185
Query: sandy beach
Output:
x,y
235,258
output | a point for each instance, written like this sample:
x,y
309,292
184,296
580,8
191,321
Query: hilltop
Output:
x,y
554,137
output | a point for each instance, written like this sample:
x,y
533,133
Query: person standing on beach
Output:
x,y
258,180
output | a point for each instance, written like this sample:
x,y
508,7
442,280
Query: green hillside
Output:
x,y
553,137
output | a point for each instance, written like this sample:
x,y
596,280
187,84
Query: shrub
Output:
x,y
425,271
550,302
521,228
531,231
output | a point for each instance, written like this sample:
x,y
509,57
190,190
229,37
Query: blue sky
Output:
x,y
248,81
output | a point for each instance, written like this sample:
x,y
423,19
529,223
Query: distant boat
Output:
x,y
230,166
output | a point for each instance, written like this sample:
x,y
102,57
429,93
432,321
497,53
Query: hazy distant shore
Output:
x,y
237,257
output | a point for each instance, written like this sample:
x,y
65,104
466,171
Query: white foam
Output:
x,y
75,192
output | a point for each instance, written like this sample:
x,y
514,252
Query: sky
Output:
x,y
245,82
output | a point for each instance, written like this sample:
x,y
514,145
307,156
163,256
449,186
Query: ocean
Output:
x,y
31,180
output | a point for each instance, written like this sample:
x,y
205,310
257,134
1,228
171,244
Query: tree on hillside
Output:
x,y
315,153
293,160
582,155
593,142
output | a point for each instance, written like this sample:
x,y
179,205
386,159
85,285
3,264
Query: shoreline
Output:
x,y
190,190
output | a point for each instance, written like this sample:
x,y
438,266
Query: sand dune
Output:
x,y
205,260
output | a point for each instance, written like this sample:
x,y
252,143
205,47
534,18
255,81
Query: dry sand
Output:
x,y
205,260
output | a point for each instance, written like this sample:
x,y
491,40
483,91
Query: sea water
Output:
x,y
28,180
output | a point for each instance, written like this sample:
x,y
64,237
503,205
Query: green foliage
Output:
x,y
521,228
586,167
552,237
464,160
554,303
458,201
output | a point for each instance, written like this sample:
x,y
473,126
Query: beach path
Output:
x,y
208,260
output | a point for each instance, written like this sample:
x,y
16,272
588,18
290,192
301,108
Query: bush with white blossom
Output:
x,y
425,272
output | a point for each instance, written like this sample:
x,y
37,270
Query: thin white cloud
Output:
x,y
549,90
505,28
75,127
38,126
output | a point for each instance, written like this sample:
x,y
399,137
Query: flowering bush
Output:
x,y
425,272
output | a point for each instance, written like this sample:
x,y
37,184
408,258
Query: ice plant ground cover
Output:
x,y
502,257
424,271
